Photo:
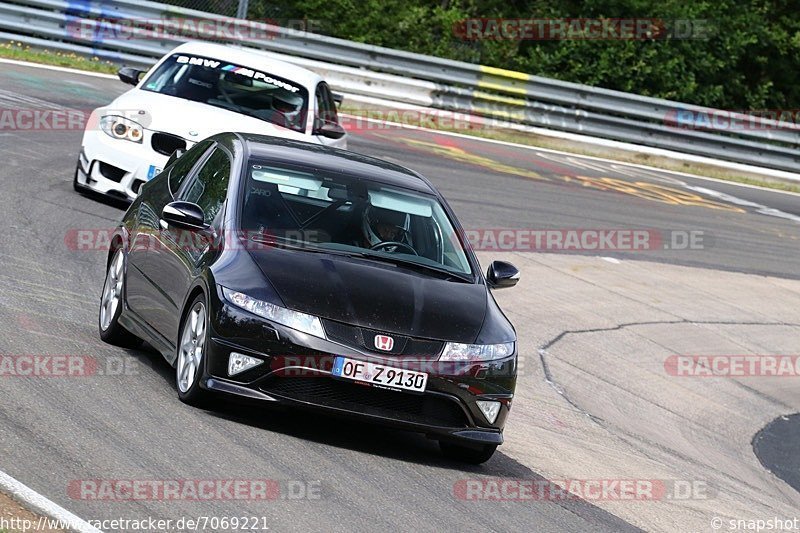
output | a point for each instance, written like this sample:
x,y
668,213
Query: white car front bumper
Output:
x,y
118,168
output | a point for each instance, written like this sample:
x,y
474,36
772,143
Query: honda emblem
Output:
x,y
384,342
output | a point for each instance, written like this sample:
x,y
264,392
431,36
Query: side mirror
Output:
x,y
129,75
502,275
184,215
175,155
329,129
338,99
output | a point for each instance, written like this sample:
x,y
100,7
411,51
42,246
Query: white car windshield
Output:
x,y
340,213
236,88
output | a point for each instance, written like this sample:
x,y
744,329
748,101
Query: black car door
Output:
x,y
181,252
142,295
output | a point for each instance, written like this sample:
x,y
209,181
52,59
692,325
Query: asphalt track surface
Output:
x,y
131,426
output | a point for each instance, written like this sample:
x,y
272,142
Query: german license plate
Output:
x,y
152,172
379,375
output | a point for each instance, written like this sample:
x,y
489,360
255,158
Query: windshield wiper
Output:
x,y
406,263
303,247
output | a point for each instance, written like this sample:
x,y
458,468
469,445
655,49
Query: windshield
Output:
x,y
338,213
239,89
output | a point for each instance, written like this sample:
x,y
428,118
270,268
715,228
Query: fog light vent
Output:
x,y
489,409
238,363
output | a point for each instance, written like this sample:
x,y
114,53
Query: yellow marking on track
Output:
x,y
651,191
459,154
639,189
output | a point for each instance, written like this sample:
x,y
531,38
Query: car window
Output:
x,y
209,187
326,106
184,164
334,211
240,89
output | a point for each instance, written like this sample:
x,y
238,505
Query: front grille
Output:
x,y
111,172
166,144
363,339
396,405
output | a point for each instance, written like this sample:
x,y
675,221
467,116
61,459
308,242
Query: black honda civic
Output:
x,y
285,273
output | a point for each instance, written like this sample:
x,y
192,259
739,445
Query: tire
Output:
x,y
475,455
111,301
191,348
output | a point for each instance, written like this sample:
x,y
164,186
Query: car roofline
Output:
x,y
407,178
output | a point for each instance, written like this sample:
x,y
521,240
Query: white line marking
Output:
x,y
41,505
759,208
587,165
558,160
637,173
14,99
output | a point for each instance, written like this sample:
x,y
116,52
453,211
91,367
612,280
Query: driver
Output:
x,y
290,106
384,225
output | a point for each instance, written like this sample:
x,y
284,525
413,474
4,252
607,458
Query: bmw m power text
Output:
x,y
279,271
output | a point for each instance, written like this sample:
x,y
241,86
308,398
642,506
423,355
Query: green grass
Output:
x,y
15,50
21,52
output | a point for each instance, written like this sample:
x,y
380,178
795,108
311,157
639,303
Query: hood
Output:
x,y
376,296
182,117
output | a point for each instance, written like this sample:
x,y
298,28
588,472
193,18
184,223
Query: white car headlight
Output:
x,y
454,351
122,128
292,319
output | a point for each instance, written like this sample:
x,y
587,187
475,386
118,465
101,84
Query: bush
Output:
x,y
750,61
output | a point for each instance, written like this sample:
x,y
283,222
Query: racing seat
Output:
x,y
265,210
200,84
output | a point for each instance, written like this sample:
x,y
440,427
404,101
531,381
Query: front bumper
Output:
x,y
117,168
297,372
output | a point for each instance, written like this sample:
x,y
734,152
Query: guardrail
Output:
x,y
82,27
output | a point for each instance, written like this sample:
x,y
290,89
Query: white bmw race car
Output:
x,y
193,92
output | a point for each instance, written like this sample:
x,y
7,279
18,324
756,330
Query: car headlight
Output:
x,y
454,351
122,128
292,319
